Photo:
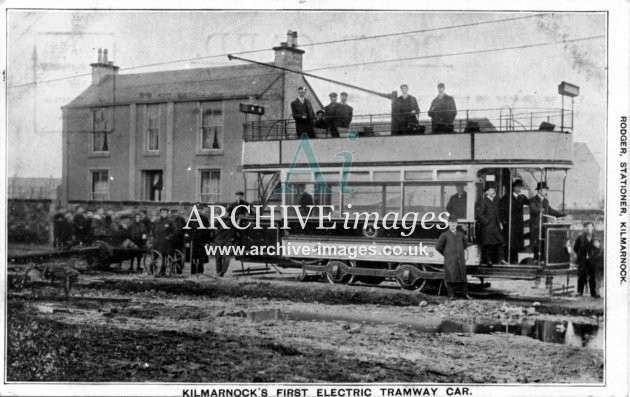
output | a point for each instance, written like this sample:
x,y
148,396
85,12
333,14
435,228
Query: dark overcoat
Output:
x,y
452,246
518,224
304,117
163,232
345,114
401,113
136,232
442,112
333,117
199,238
537,208
488,218
457,205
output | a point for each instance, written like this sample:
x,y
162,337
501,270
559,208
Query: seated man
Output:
x,y
320,121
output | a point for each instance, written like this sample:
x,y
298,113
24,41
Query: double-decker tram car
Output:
x,y
358,182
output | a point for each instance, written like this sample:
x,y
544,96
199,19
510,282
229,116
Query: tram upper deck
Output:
x,y
517,136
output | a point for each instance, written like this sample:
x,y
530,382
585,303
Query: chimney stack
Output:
x,y
288,54
103,67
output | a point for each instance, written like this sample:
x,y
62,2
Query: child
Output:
x,y
452,245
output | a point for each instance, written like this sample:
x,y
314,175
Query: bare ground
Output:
x,y
205,330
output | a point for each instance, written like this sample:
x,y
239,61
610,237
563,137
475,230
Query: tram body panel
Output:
x,y
395,251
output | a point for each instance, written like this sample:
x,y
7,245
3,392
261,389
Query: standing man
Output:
x,y
138,235
333,115
178,238
148,223
515,228
198,239
452,245
405,111
303,114
458,202
442,111
539,208
345,110
491,236
585,251
81,226
163,232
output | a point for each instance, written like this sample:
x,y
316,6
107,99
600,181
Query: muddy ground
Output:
x,y
124,327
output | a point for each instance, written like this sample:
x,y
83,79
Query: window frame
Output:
x,y
199,192
147,129
92,147
91,173
213,106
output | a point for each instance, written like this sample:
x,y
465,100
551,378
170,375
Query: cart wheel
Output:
x,y
176,261
151,262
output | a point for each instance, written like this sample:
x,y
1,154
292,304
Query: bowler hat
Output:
x,y
164,209
452,218
490,185
541,185
240,193
440,85
517,182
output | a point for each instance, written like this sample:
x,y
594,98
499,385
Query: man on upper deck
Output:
x,y
442,111
405,111
333,115
345,111
303,114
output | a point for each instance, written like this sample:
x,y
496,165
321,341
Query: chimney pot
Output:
x,y
294,39
105,56
283,44
100,56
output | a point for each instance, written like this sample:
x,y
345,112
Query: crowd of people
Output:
x,y
137,230
405,112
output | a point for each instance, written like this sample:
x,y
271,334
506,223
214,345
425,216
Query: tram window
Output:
x,y
331,198
386,176
380,198
456,199
424,198
418,175
357,176
452,175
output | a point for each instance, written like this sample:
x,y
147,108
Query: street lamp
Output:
x,y
570,90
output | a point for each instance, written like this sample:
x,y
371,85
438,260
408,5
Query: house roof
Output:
x,y
234,81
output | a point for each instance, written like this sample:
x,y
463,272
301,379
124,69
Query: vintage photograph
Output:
x,y
389,201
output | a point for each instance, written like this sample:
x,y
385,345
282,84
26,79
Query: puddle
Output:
x,y
562,332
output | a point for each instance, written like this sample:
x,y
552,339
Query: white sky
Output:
x,y
46,45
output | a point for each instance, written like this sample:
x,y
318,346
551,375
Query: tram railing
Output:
x,y
505,119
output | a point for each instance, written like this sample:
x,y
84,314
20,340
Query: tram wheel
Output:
x,y
370,232
337,274
409,281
